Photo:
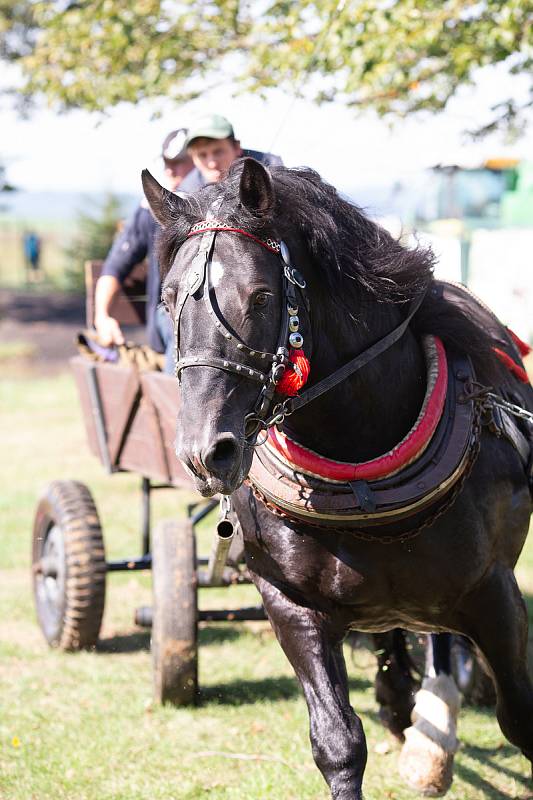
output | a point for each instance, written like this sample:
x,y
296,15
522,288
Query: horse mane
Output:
x,y
348,251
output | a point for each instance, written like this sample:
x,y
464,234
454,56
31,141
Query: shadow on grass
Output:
x,y
127,643
217,634
140,640
483,755
245,692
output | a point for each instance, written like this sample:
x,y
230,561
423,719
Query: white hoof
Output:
x,y
426,759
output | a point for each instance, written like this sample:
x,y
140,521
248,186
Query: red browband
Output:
x,y
212,225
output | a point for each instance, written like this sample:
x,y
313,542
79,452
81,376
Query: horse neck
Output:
x,y
369,413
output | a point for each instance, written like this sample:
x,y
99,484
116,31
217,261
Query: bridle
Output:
x,y
264,414
273,367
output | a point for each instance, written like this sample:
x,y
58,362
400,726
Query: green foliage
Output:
x,y
394,56
96,229
96,54
17,29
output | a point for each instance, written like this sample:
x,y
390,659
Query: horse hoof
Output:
x,y
424,765
426,760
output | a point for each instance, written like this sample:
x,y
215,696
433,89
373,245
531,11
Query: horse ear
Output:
x,y
165,205
256,191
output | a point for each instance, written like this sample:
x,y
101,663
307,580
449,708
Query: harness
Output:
x,y
267,368
419,486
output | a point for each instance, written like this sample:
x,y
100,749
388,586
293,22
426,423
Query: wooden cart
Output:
x,y
130,420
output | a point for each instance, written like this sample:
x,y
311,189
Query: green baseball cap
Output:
x,y
212,126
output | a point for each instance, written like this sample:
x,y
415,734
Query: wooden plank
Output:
x,y
79,366
129,305
124,413
140,422
164,392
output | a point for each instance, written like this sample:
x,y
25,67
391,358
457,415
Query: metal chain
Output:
x,y
512,408
400,538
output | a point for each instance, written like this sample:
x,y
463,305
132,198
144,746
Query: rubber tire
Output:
x,y
474,683
175,614
70,606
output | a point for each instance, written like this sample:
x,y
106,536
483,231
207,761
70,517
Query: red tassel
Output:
x,y
296,374
523,348
512,366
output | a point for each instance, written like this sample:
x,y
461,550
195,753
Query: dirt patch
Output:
x,y
39,330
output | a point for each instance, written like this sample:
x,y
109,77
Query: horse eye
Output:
x,y
260,299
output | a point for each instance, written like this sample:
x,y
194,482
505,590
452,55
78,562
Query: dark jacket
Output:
x,y
133,245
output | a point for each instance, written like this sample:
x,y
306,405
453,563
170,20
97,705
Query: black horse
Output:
x,y
337,548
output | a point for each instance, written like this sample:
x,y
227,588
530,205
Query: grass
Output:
x,y
14,351
83,726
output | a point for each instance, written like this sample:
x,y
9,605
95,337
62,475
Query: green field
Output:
x,y
83,726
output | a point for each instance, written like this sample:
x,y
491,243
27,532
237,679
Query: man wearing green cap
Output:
x,y
212,145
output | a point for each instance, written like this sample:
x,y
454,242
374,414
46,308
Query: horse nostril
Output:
x,y
220,458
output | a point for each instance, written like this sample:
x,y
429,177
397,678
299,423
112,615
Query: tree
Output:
x,y
96,229
394,56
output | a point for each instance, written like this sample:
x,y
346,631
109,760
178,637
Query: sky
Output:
x,y
84,152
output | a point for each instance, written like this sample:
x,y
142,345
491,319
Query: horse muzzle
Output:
x,y
219,467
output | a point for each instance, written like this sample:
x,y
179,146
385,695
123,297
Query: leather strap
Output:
x,y
357,363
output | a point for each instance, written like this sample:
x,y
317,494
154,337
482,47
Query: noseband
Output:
x,y
275,364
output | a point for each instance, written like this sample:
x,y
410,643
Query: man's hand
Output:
x,y
108,330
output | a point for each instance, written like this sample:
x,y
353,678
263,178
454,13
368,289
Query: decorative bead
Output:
x,y
296,340
293,310
294,323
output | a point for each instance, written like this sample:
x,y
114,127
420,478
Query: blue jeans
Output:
x,y
165,329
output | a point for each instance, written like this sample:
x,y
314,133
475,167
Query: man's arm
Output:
x,y
128,250
107,327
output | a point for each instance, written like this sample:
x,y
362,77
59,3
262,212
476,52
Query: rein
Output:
x,y
276,364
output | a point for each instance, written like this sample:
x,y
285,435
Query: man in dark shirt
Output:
x,y
133,245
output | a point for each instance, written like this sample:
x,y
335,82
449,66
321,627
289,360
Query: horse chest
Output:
x,y
319,567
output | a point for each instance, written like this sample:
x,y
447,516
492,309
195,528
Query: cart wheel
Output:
x,y
473,682
69,566
175,614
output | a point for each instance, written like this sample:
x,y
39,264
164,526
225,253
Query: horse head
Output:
x,y
224,285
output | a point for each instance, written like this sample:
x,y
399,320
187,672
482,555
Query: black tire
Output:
x,y
175,614
474,683
68,566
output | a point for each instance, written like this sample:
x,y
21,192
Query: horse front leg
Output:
x,y
314,648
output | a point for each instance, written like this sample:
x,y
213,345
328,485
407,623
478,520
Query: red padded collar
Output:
x,y
410,448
